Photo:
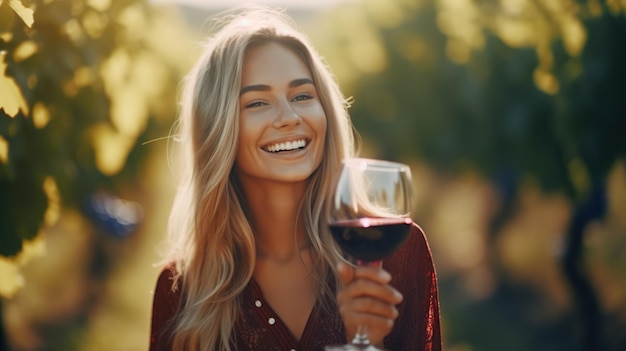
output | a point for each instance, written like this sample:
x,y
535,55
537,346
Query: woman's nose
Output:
x,y
286,116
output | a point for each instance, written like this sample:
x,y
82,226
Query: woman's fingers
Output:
x,y
372,282
361,287
373,273
367,299
346,272
369,306
376,315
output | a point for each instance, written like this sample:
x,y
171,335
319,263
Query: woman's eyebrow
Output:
x,y
301,81
257,87
262,87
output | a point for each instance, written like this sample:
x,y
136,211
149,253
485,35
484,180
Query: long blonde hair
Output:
x,y
211,241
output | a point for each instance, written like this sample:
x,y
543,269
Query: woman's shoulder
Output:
x,y
414,254
413,275
168,281
167,293
166,301
416,242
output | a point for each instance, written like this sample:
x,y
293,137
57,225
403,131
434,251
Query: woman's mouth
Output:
x,y
286,146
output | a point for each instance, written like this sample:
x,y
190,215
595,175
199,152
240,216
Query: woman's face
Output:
x,y
282,124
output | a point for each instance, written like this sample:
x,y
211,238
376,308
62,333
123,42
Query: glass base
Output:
x,y
351,347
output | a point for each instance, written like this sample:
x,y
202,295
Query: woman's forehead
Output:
x,y
271,62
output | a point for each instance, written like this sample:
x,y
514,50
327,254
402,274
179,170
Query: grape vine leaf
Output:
x,y
11,98
22,11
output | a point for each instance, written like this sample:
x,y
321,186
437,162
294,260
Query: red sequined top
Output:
x,y
259,328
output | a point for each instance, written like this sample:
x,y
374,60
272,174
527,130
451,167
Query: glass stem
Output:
x,y
361,338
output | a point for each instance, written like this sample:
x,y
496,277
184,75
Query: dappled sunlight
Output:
x,y
526,23
133,83
94,24
350,40
54,208
476,96
111,148
41,115
115,69
56,285
4,150
517,23
73,30
101,5
387,14
459,222
133,18
24,50
574,35
616,6
413,47
458,51
11,275
461,21
129,111
545,81
607,243
125,309
516,32
531,244
11,99
617,195
367,54
363,46
534,28
89,279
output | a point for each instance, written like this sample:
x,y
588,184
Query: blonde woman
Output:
x,y
263,129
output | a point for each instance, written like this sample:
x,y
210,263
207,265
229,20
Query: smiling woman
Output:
x,y
264,128
282,124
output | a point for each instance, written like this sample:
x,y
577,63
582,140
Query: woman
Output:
x,y
263,130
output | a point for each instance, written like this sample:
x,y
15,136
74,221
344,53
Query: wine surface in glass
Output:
x,y
370,239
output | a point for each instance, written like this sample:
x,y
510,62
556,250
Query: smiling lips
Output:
x,y
286,146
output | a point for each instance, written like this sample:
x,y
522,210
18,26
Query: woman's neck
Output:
x,y
279,231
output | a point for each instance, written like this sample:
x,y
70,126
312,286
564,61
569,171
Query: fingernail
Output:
x,y
399,297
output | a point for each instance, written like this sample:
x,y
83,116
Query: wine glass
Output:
x,y
370,218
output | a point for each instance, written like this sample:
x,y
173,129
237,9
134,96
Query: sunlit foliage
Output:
x,y
528,95
82,86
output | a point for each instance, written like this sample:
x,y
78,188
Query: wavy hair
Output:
x,y
210,239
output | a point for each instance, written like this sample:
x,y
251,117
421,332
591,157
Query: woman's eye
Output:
x,y
255,104
302,97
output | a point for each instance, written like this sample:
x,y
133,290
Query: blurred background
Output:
x,y
511,113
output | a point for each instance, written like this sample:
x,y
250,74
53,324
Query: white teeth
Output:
x,y
287,146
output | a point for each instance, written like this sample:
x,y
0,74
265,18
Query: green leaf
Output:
x,y
11,98
23,12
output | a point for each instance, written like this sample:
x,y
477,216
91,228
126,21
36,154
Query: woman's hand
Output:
x,y
367,299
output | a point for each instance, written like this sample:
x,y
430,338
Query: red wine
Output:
x,y
371,239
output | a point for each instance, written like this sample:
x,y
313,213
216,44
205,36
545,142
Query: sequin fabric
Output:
x,y
259,328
